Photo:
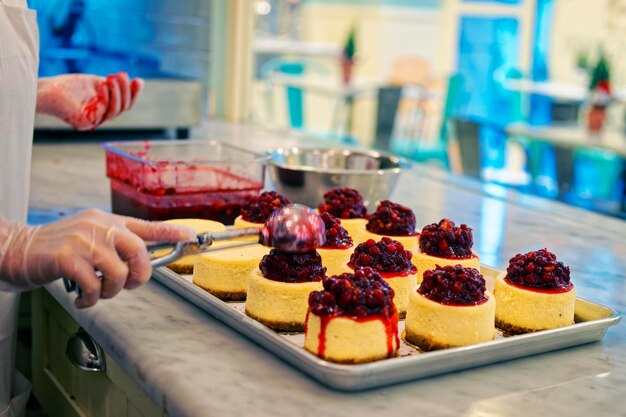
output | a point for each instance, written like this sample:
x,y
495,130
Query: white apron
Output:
x,y
19,51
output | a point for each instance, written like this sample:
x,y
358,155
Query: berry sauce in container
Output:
x,y
160,180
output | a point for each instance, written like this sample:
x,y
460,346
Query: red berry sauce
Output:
x,y
344,203
392,219
454,285
361,296
386,255
445,240
539,270
292,267
336,236
260,207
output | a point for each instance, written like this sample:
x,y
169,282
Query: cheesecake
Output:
x,y
391,220
225,273
353,319
442,244
184,265
392,261
450,308
258,210
535,293
338,246
278,290
348,206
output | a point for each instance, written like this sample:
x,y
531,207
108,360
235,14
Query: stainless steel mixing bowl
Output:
x,y
304,174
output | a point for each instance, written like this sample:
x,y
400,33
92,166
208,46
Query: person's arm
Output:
x,y
86,101
75,247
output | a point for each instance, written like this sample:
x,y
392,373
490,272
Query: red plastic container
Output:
x,y
159,180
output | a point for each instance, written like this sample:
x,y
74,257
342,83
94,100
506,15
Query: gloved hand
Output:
x,y
86,101
74,247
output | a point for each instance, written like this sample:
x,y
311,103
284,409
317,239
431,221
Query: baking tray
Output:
x,y
591,323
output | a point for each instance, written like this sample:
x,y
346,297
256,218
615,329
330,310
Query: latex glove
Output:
x,y
86,101
74,247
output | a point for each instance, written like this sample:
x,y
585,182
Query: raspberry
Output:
x,y
386,255
260,207
538,269
392,219
336,235
445,240
343,203
361,294
453,285
292,267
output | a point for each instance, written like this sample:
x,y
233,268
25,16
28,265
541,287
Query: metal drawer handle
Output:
x,y
84,352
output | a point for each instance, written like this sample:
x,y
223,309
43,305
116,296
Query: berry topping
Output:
x,y
386,255
453,285
538,269
292,267
445,240
361,294
344,203
260,207
392,219
336,236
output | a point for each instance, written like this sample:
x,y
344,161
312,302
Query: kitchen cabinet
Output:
x,y
62,388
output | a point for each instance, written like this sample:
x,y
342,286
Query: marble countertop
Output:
x,y
190,364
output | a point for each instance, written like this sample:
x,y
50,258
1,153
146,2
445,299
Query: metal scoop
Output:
x,y
290,228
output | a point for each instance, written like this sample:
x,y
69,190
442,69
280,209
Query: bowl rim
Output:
x,y
402,163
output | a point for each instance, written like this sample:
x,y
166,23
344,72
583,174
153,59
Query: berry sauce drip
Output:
x,y
445,240
260,207
362,296
386,255
392,219
292,267
454,285
343,203
538,269
336,236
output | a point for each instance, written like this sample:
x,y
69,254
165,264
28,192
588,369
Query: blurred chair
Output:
x,y
420,130
410,70
466,154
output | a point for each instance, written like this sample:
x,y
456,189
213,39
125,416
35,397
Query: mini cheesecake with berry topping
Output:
x,y
443,244
353,319
338,247
278,290
184,266
535,293
392,220
258,210
451,308
389,258
347,205
225,273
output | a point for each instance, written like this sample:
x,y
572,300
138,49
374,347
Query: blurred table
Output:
x,y
558,90
566,139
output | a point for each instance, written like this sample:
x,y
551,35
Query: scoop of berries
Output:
x,y
260,207
361,294
343,203
392,219
445,240
538,269
386,255
336,236
453,285
292,267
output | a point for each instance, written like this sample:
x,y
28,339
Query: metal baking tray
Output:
x,y
591,323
